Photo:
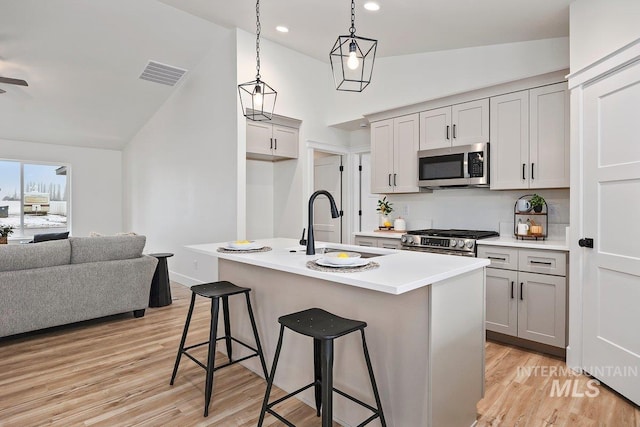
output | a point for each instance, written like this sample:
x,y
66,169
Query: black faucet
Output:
x,y
311,249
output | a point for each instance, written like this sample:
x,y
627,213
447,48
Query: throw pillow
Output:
x,y
50,236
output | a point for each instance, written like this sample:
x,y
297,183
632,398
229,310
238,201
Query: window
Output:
x,y
34,197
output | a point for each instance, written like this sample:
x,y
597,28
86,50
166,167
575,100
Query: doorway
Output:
x,y
328,175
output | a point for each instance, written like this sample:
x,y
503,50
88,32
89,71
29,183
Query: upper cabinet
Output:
x,y
394,147
272,141
530,139
459,124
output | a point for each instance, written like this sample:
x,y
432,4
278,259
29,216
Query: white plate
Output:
x,y
358,262
333,258
243,246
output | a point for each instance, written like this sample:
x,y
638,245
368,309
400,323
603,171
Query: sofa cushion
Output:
x,y
25,257
105,248
37,238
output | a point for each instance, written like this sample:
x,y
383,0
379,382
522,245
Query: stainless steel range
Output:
x,y
452,242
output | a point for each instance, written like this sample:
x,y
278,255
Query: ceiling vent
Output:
x,y
162,73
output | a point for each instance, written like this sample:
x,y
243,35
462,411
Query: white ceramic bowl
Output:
x,y
339,258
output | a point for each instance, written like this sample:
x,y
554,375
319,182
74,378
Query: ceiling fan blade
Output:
x,y
2,91
11,81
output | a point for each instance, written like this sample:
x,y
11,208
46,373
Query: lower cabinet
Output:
x,y
378,242
526,304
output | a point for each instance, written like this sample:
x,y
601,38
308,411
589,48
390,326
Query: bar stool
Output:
x,y
215,291
323,327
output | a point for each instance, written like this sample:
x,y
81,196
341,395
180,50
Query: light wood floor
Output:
x,y
116,371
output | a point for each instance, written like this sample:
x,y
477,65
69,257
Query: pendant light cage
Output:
x,y
257,98
352,59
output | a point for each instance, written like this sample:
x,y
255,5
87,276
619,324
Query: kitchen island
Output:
x,y
425,316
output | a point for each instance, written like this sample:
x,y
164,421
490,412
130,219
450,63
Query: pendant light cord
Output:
x,y
258,40
352,30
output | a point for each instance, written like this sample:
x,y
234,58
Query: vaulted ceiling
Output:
x,y
82,58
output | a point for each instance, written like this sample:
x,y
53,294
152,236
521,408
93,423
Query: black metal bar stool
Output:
x,y
323,327
215,291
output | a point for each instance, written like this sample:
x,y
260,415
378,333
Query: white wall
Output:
x,y
404,80
304,92
181,167
96,182
599,27
259,200
472,208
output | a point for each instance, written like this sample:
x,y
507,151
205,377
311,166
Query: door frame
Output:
x,y
349,184
578,81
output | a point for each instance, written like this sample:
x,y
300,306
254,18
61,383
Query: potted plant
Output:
x,y
5,231
385,208
537,203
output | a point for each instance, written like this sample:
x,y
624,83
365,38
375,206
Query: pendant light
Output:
x,y
352,59
257,98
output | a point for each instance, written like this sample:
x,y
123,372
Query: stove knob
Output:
x,y
403,239
452,243
469,244
461,243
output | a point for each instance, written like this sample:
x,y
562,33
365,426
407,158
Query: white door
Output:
x,y
470,122
382,156
611,214
549,136
405,154
510,141
501,301
542,308
435,128
326,176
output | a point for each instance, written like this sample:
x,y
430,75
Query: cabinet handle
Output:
x,y
390,180
447,131
532,164
496,258
275,143
521,296
512,290
540,262
271,143
454,131
523,175
394,180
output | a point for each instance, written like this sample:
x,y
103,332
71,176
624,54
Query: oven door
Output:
x,y
454,167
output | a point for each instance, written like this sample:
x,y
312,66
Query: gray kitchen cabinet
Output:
x,y
378,242
530,138
526,293
270,141
394,147
459,124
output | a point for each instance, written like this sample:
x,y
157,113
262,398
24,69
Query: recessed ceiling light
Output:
x,y
282,29
373,6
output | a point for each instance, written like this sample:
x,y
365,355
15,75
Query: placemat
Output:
x,y
243,251
313,266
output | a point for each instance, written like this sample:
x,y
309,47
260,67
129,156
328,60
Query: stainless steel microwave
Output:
x,y
461,166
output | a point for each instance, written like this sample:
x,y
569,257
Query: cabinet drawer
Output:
x,y
389,243
366,241
545,262
506,258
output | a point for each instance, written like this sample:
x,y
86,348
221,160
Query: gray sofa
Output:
x,y
64,281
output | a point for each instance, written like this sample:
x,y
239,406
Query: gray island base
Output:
x,y
426,344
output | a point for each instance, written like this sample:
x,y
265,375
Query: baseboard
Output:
x,y
530,345
183,280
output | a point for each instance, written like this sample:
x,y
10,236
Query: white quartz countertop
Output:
x,y
384,234
549,244
399,271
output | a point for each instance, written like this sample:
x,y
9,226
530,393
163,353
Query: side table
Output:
x,y
160,294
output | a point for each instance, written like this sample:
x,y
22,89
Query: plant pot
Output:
x,y
385,219
3,240
537,209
